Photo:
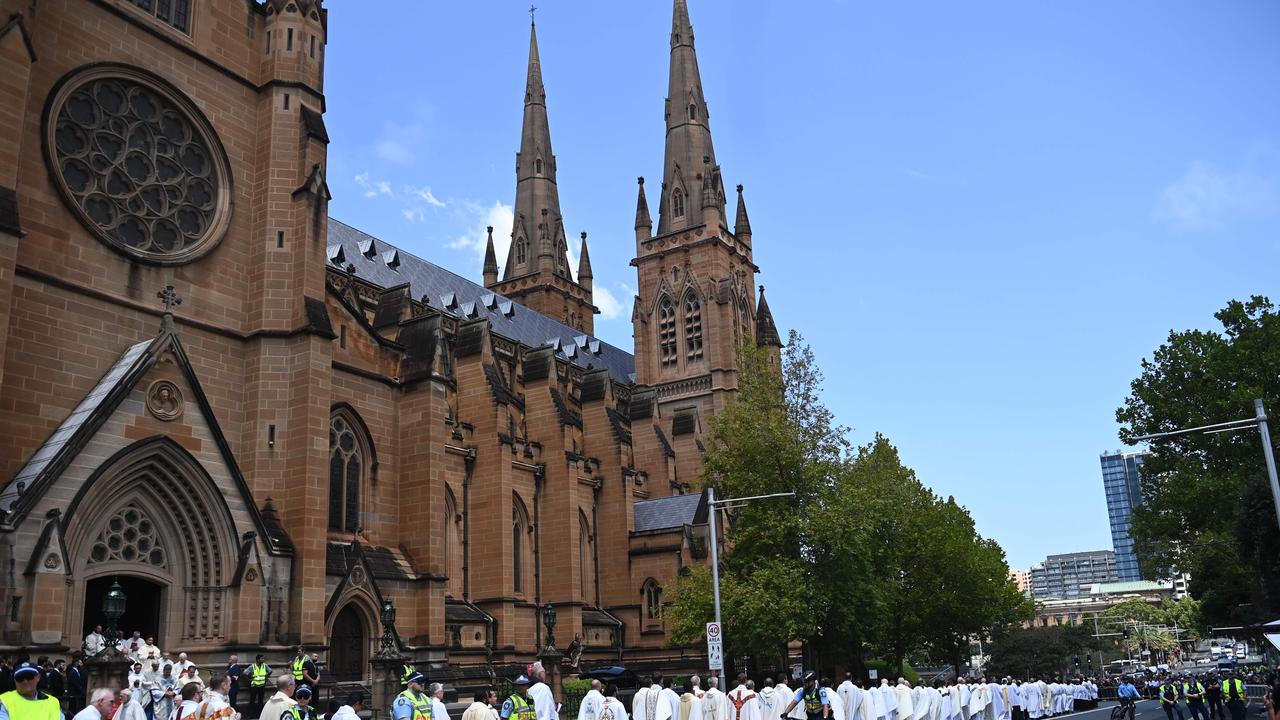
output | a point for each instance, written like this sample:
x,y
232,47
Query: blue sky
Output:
x,y
981,215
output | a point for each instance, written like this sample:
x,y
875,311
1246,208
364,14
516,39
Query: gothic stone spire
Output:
x,y
690,157
537,199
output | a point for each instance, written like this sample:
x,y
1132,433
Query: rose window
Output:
x,y
139,165
129,536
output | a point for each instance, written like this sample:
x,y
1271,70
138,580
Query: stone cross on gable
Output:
x,y
169,298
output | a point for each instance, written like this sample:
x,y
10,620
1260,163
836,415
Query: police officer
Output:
x,y
1233,693
1213,696
1168,694
303,709
816,704
259,671
1194,693
25,701
518,706
412,704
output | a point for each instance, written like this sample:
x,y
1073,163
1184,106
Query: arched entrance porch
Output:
x,y
153,518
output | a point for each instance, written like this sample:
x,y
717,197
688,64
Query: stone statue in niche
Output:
x,y
164,400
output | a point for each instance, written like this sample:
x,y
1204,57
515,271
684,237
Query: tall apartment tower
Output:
x,y
1069,575
1122,480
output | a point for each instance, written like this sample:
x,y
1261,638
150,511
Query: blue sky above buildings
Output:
x,y
981,215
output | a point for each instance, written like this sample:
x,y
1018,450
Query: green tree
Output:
x,y
1040,652
862,557
1206,502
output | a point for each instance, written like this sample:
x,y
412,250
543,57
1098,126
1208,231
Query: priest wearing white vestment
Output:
x,y
890,700
592,703
849,697
639,701
978,698
902,697
742,703
544,704
772,701
919,702
833,700
668,698
612,708
1030,694
714,702
688,707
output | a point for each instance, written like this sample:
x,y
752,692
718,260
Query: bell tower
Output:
x,y
537,270
696,275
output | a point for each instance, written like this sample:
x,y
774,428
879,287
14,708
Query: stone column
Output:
x,y
108,669
387,668
551,658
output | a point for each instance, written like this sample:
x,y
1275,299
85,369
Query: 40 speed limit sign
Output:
x,y
715,647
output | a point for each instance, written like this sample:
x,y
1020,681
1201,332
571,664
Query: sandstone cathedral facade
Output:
x,y
264,423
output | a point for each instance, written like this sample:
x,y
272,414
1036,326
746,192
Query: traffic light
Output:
x,y
1126,633
1077,661
1089,660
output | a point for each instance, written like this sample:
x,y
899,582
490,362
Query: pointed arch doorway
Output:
x,y
349,645
143,606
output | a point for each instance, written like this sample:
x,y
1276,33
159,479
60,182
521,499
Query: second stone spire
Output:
x,y
537,272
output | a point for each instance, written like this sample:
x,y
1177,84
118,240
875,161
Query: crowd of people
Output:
x,y
819,699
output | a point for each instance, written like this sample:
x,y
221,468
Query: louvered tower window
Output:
x,y
677,203
692,327
667,332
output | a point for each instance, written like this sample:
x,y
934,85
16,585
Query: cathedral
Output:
x,y
268,426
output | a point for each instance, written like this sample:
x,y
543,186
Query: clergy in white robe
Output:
x,y
919,703
797,712
771,701
668,697
978,698
849,697
890,700
1030,694
592,702
714,703
742,703
688,707
902,697
544,704
612,708
935,703
639,701
837,706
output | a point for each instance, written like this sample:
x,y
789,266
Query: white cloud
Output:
x,y
610,306
499,216
424,194
1207,195
372,188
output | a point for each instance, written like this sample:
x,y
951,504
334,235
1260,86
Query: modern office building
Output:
x,y
1121,478
1071,575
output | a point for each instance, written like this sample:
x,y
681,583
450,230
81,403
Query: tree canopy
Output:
x,y
1206,504
862,559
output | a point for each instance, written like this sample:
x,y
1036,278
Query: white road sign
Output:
x,y
715,647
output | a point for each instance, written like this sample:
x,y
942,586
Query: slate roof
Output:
x,y
387,266
670,513
463,613
384,563
57,442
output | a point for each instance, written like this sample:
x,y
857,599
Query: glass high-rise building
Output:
x,y
1122,480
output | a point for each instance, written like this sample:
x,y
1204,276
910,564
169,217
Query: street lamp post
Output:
x,y
712,504
113,605
1259,419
